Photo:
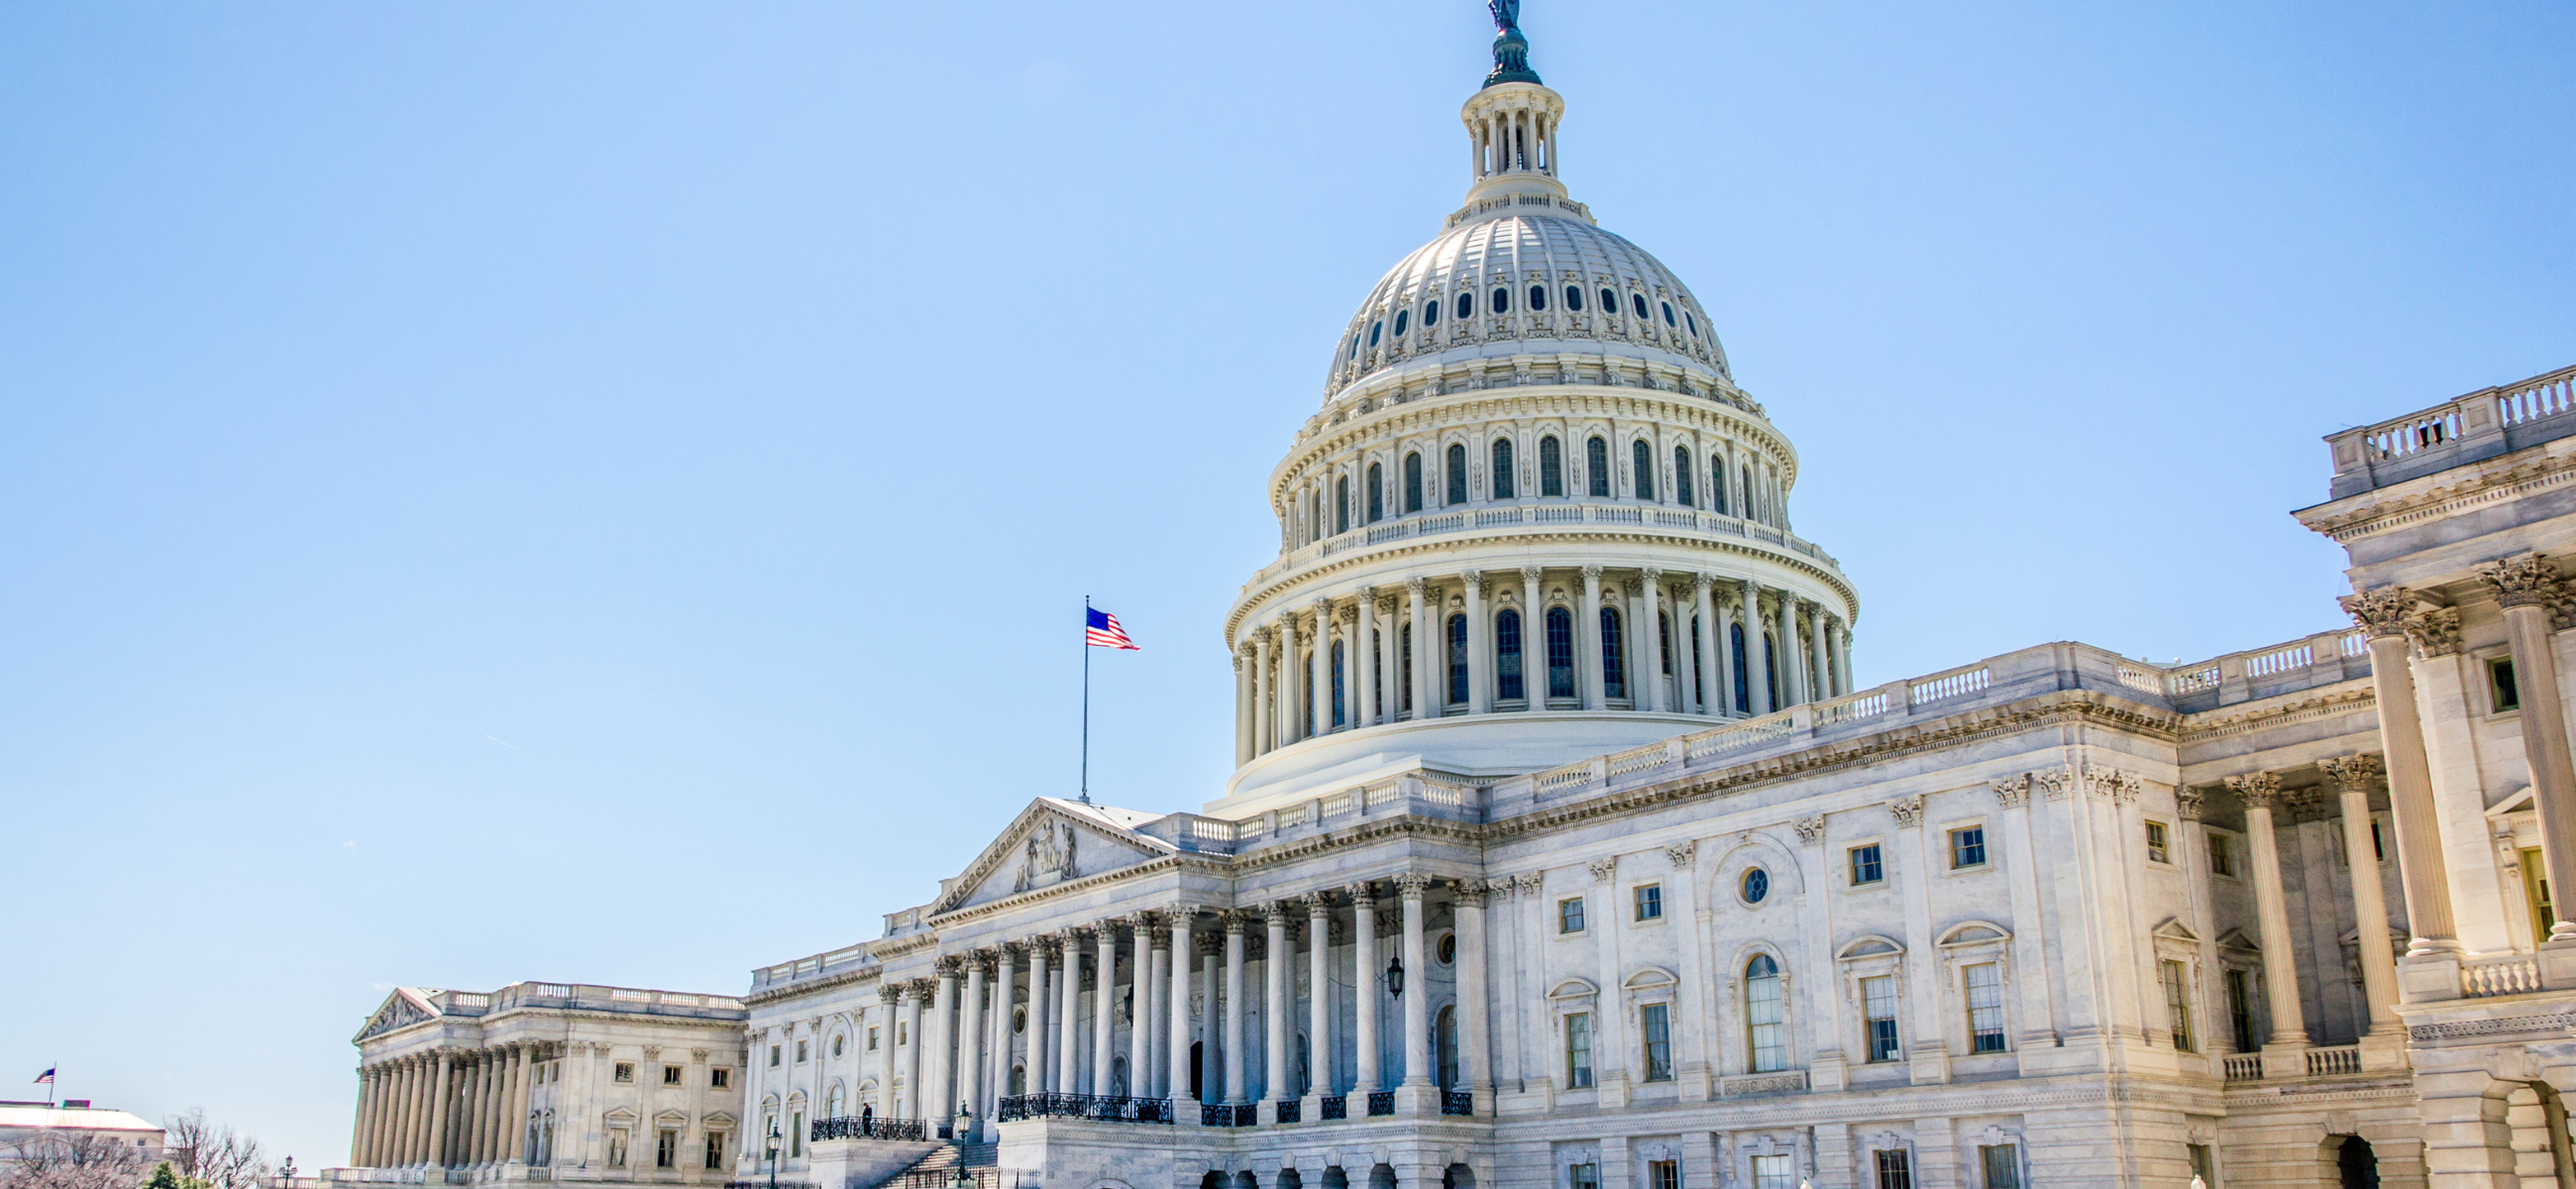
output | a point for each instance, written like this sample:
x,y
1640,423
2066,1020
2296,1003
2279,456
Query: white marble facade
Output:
x,y
1563,853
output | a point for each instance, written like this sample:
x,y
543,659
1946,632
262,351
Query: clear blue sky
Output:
x,y
603,491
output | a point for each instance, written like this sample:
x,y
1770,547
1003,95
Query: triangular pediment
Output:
x,y
1053,842
402,1009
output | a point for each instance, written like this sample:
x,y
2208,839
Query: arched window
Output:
x,y
1538,299
1355,346
1664,633
1750,503
1551,466
833,1104
1431,313
1763,1036
1374,328
1507,655
1636,301
1560,653
1338,715
1609,301
1401,317
1717,486
1645,460
1342,504
1682,476
1404,666
1596,465
1574,299
1376,493
1690,324
1614,672
1502,479
1668,314
1502,300
1457,477
1743,676
1457,659
1444,1038
1466,305
1413,482
1771,668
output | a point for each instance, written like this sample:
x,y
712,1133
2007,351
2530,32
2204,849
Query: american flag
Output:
x,y
46,1078
1102,631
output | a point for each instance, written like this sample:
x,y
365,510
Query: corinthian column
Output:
x,y
1265,709
1290,730
438,1110
1319,1001
1757,674
2528,587
939,1098
1319,695
1068,1068
1714,689
1650,630
1587,642
1534,670
1176,1049
1140,1013
2352,776
1104,984
1424,637
1234,1087
1365,1077
970,1040
1417,965
1475,1057
1480,640
1275,1007
2421,870
2272,913
1244,713
1363,653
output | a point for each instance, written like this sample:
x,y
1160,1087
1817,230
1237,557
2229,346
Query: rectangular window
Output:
x,y
617,1147
719,1077
671,1075
1773,1172
2535,893
796,1133
1865,867
902,1036
1650,902
1968,847
2222,856
1985,985
1664,1174
2501,689
715,1149
773,1056
1578,1049
2202,1166
1569,915
2378,841
666,1149
2157,850
625,1071
2002,1163
2178,1006
1878,1012
1583,1176
803,1047
1895,1168
1762,1018
2240,1010
872,1040
1654,1021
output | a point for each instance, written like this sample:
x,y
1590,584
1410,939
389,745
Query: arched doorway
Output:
x,y
1458,1176
2356,1166
1289,1178
1382,1177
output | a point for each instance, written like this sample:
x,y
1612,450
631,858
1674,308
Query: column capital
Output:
x,y
1363,895
1365,594
1475,579
2525,581
2435,631
2256,789
1532,573
1652,574
1237,921
1276,913
2187,802
2380,612
1072,936
2013,790
1143,918
1700,582
1591,573
2352,773
892,993
948,965
1415,584
1471,893
1159,937
1530,883
1046,945
986,961
1412,886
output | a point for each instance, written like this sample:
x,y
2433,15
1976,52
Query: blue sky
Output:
x,y
603,492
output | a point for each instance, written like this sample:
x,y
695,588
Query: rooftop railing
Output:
x,y
1541,516
2482,424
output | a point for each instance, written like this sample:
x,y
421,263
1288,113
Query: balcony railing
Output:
x,y
2510,974
2329,1062
1288,1110
1220,1114
2244,1067
1381,1102
2479,425
1099,1108
871,1127
1336,1106
1458,1102
1540,516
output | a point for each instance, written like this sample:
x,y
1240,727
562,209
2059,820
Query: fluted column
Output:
x,y
1757,674
399,1142
1140,1032
438,1109
1244,713
2527,587
1717,687
2352,776
1820,660
2421,868
1319,998
1533,641
939,1099
1417,967
1005,996
914,992
1425,646
1234,1080
1145,1069
1390,661
1587,642
1475,1050
1275,1007
1176,1051
1290,677
2272,913
520,1091
1104,984
495,1085
1319,699
970,1040
1842,654
1212,1051
1041,1013
475,1100
1365,1076
1793,656
1068,1067
1363,667
1651,635
421,1108
359,1117
1480,644
1265,709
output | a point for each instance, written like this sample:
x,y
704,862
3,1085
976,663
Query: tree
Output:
x,y
212,1155
73,1160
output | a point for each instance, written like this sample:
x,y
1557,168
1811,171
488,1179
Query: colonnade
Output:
x,y
446,1107
969,1054
2263,797
1378,657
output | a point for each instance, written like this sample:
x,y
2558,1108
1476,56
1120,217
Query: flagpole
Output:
x,y
1086,699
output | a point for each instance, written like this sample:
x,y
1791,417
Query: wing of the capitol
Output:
x,y
1560,852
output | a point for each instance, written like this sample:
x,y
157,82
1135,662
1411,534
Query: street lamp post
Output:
x,y
773,1154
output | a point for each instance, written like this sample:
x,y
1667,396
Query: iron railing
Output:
x,y
763,1183
871,1127
959,1176
1458,1102
1103,1108
1221,1114
1381,1102
1288,1110
1336,1106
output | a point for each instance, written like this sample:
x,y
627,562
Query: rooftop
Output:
x,y
2482,424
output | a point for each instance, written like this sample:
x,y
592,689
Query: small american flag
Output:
x,y
1102,631
46,1078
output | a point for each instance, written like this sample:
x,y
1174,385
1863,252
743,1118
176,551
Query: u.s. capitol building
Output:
x,y
1561,852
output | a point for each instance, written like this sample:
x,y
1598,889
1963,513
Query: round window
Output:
x,y
1448,949
1756,885
1019,1020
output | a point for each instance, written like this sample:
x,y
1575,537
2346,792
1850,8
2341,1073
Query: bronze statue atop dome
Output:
x,y
1511,50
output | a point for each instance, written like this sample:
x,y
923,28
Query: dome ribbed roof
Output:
x,y
1515,252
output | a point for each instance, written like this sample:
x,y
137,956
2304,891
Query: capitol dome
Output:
x,y
1535,520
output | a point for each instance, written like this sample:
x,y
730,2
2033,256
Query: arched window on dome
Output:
x,y
1560,653
1717,486
1668,313
1551,466
1765,1040
1412,482
1743,676
1401,317
1645,460
1682,476
1596,465
1339,718
1507,655
1376,492
1690,324
1574,299
1614,671
1374,328
1538,299
1355,345
1502,478
1431,313
1771,659
1609,301
1750,503
1466,305
1404,668
1457,476
1666,643
1636,301
1342,504
1502,300
1457,660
